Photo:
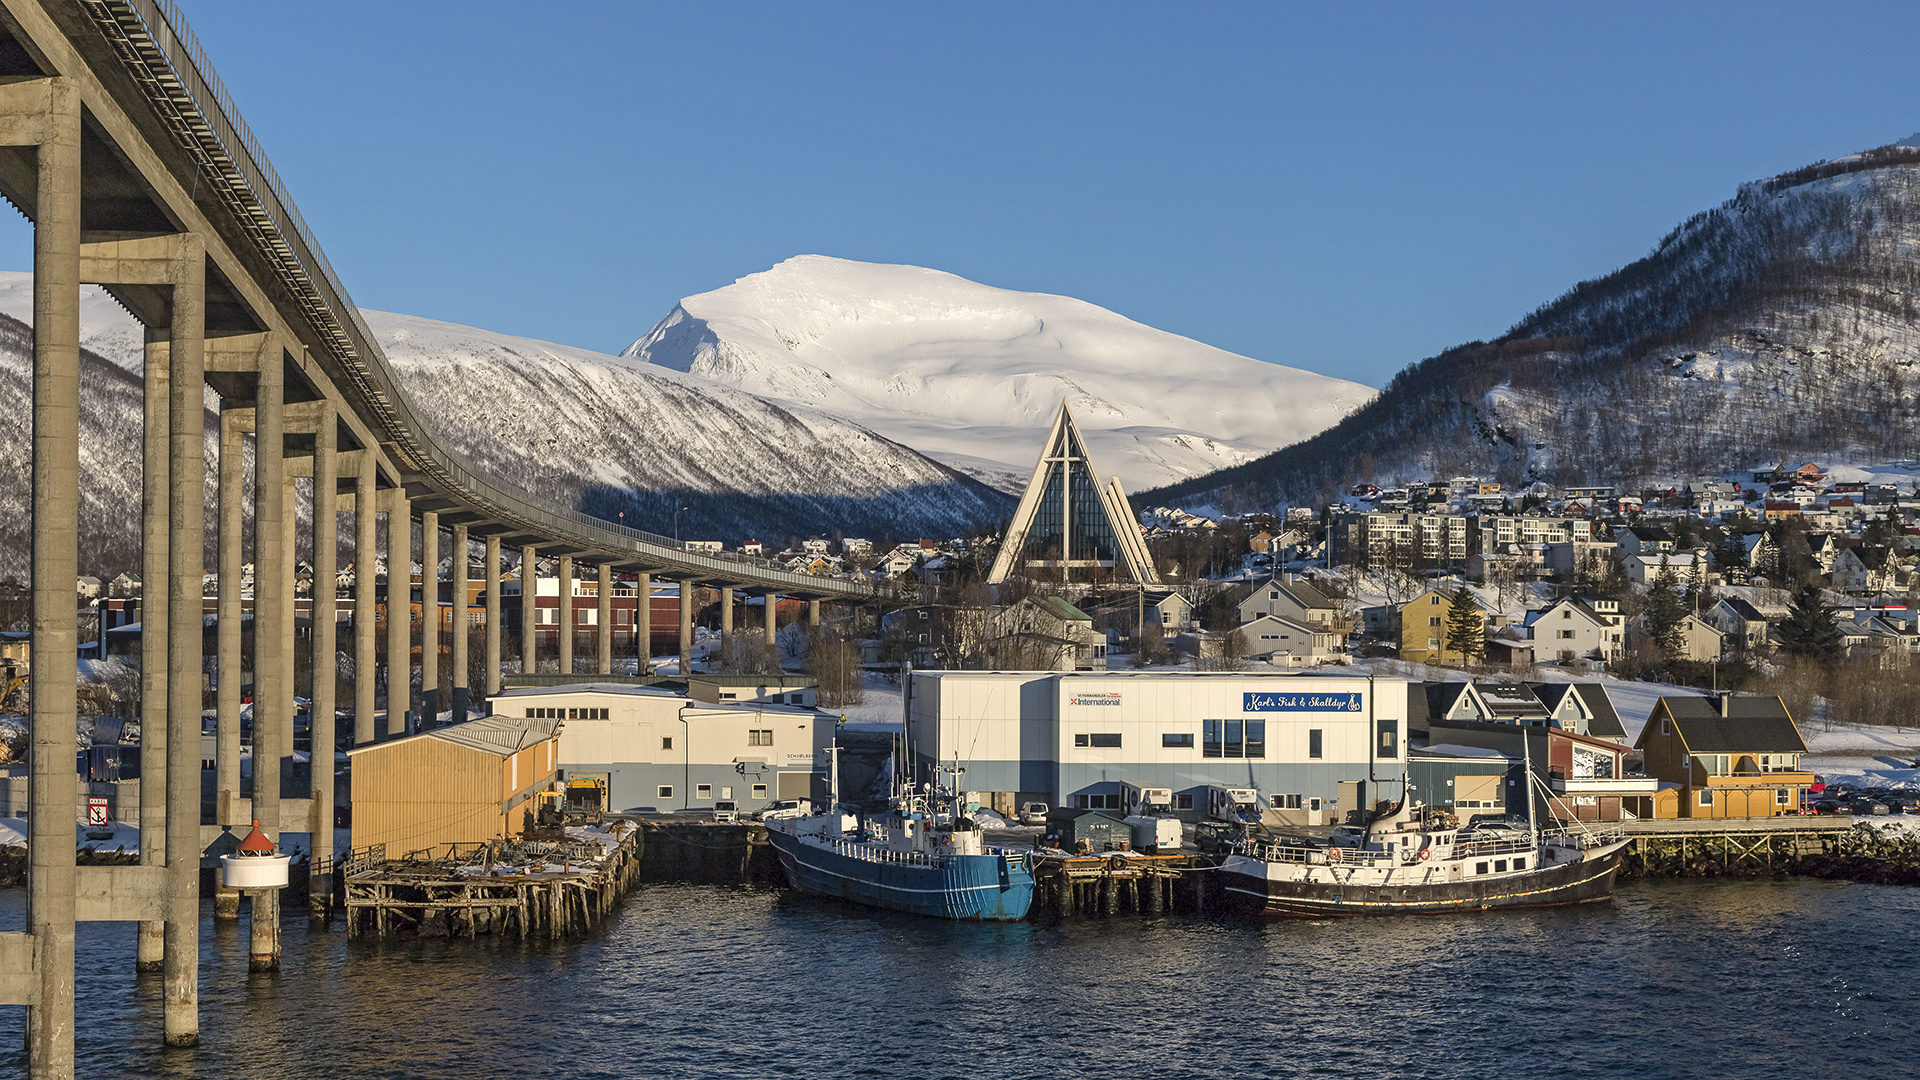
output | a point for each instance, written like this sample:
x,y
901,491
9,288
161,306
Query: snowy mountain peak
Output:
x,y
971,374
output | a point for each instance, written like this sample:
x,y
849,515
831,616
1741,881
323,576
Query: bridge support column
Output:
x,y
326,647
272,604
493,622
366,638
813,614
399,620
772,616
155,497
605,615
726,624
429,619
52,875
529,611
186,552
566,615
232,555
289,628
643,625
462,626
686,628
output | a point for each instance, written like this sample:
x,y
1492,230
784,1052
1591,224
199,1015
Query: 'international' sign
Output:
x,y
1265,702
1108,698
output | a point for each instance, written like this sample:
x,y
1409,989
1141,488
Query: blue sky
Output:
x,y
1345,188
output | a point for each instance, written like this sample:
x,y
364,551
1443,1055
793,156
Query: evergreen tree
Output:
x,y
1666,613
1809,630
1466,625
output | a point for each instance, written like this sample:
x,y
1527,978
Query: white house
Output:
x,y
1575,627
1287,643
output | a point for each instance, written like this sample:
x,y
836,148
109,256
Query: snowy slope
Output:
x,y
972,374
607,435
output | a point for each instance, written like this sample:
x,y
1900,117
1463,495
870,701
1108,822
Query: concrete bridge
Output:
x,y
119,143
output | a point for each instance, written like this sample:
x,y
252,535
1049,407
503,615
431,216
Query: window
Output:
x,y
1519,864
1106,741
1286,802
1664,728
760,737
1233,738
1256,738
589,616
1210,735
1313,742
666,742
1566,635
665,791
1499,866
1480,868
1433,599
546,616
703,791
1565,614
1780,796
1706,796
1389,739
1433,620
1433,643
759,791
1183,802
1180,741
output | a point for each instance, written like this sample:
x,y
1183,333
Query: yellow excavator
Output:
x,y
12,677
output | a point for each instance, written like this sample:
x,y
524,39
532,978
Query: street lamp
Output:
x,y
676,524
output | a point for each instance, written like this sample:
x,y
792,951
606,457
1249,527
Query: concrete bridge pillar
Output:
x,y
232,556
566,615
289,622
186,557
686,628
605,614
813,614
726,622
53,107
155,496
529,611
272,605
643,624
429,619
366,638
462,638
493,621
399,620
326,631
772,616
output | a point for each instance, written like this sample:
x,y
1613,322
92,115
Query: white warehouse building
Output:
x,y
1308,744
659,749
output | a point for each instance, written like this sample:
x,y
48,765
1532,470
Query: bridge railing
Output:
x,y
207,121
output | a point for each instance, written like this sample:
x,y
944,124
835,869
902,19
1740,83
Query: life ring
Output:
x,y
1333,854
1425,854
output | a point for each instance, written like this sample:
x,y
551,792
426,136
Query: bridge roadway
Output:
x,y
118,141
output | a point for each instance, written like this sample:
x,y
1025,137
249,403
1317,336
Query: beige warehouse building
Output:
x,y
467,783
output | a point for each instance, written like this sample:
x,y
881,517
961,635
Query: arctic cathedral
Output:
x,y
1071,523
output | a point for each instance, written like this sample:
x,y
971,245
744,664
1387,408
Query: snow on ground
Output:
x,y
13,833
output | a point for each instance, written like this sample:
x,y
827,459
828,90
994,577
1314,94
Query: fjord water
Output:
x,y
1748,979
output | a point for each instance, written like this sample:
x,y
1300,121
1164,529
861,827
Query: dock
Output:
x,y
554,888
1118,883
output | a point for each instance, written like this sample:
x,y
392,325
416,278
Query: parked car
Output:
x,y
1497,823
1869,806
1899,806
725,810
1033,813
1217,837
1828,806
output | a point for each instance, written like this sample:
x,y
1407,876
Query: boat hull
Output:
x,y
1252,887
992,887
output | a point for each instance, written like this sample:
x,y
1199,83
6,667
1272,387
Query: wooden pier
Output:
x,y
553,889
1100,886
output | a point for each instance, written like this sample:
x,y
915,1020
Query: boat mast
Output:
x,y
1526,758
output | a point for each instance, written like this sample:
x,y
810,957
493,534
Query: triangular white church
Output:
x,y
1069,521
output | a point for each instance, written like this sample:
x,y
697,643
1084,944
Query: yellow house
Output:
x,y
460,784
1423,629
1724,757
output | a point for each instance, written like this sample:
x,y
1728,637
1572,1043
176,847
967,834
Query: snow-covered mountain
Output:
x,y
1783,323
578,427
607,434
971,375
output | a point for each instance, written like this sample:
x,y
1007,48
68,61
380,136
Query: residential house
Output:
x,y
1296,600
1168,610
1642,570
1582,708
1724,756
1287,643
1423,629
1700,640
1739,620
1576,627
1863,570
1644,540
1045,634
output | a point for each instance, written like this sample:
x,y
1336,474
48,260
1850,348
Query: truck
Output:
x,y
1149,812
1137,800
1233,804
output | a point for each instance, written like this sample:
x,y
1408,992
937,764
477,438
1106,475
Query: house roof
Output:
x,y
1510,702
1606,719
1742,609
627,689
1061,610
1734,724
501,736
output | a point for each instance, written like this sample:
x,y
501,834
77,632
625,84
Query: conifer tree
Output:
x,y
1666,614
1809,630
1466,625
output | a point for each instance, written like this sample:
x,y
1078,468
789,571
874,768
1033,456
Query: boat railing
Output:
x,y
870,853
